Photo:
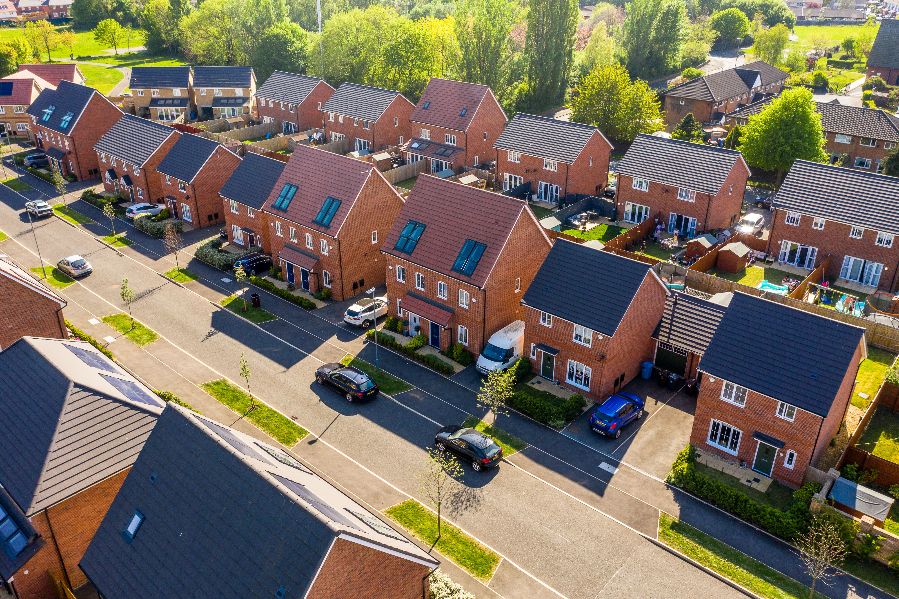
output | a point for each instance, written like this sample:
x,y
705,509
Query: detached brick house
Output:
x,y
67,122
454,125
856,137
17,92
883,60
686,329
192,174
63,458
54,73
29,308
293,101
689,188
129,155
554,158
327,216
589,318
251,521
369,118
777,420
223,92
712,96
161,93
459,260
847,214
244,195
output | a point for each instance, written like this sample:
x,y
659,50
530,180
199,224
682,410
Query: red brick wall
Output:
x,y
259,223
856,149
354,571
382,132
28,313
203,194
891,76
148,179
834,419
675,111
307,115
490,119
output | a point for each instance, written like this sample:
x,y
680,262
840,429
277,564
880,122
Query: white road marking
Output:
x,y
109,339
93,321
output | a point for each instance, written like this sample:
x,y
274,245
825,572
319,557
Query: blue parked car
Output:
x,y
615,413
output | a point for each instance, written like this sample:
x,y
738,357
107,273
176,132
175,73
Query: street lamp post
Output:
x,y
38,247
372,293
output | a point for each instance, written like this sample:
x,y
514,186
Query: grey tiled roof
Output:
x,y
730,83
360,101
287,87
223,76
82,430
808,355
246,523
885,51
545,137
846,195
134,139
185,159
698,167
689,322
253,180
838,118
159,77
586,286
67,98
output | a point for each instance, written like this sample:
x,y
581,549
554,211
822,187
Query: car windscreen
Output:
x,y
81,263
497,354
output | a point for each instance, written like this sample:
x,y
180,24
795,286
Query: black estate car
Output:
x,y
354,384
470,445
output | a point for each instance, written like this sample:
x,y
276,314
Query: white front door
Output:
x,y
185,213
237,234
413,323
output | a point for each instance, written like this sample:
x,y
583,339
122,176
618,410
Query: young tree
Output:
x,y
172,241
109,212
496,391
58,181
788,129
110,33
821,546
549,47
41,34
891,163
732,141
608,99
127,295
484,28
732,26
245,374
436,480
770,44
68,39
689,129
241,275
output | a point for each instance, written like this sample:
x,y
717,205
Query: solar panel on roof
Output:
x,y
326,213
6,88
378,526
285,197
228,436
283,457
315,501
11,535
92,359
133,391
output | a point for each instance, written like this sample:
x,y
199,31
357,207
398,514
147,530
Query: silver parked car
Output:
x,y
75,266
38,208
751,223
142,208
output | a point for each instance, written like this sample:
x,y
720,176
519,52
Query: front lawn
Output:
x,y
871,373
465,551
276,424
71,215
509,443
235,304
603,233
182,275
386,382
119,240
55,277
17,184
728,562
134,330
751,276
881,438
777,495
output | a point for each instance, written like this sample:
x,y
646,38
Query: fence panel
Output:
x,y
407,171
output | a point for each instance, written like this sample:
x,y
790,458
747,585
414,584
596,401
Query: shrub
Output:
x,y
302,302
40,174
95,199
522,369
846,527
893,377
894,561
417,342
457,352
408,350
867,545
875,83
392,323
157,228
867,95
691,73
819,79
164,214
894,491
545,407
85,337
435,363
212,254
323,294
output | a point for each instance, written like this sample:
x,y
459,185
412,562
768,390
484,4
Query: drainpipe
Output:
x,y
340,266
708,206
424,583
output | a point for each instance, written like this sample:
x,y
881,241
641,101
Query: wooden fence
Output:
x,y
625,239
407,171
707,260
813,277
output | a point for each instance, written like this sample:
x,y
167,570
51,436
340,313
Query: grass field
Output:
x,y
134,330
17,184
235,303
182,275
509,443
71,215
55,277
387,383
118,240
85,44
881,438
808,35
871,373
272,422
102,78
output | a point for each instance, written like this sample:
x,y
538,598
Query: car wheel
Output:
x,y
349,397
366,324
640,414
440,446
618,434
320,379
476,466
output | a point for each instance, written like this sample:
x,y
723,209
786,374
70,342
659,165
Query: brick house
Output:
x,y
853,136
129,155
369,118
192,174
67,122
55,72
17,92
327,214
223,92
161,93
883,60
686,329
854,223
60,9
454,125
302,537
29,308
712,96
8,11
293,101
777,420
690,188
459,260
244,195
589,317
555,158
62,459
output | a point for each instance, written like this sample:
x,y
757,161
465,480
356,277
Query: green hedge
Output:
x,y
408,350
786,524
545,407
458,353
170,397
85,337
156,229
303,302
212,254
96,200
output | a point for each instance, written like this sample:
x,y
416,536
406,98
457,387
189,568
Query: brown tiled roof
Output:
x,y
298,257
451,104
452,214
431,149
427,310
56,72
18,91
730,83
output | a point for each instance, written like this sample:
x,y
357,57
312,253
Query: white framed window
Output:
x,y
140,193
724,436
786,411
251,213
462,335
517,284
514,156
331,117
640,184
635,213
550,165
419,281
464,298
533,351
818,224
889,145
793,218
326,279
856,232
21,126
449,139
323,246
236,234
278,228
233,203
374,237
425,133
309,243
840,138
168,178
182,186
401,274
546,319
292,234
140,93
734,394
154,93
442,290
687,195
861,271
176,92
790,459
340,118
582,335
884,240
861,162
399,307
868,142
217,92
578,375
202,91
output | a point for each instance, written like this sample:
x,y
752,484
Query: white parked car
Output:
x,y
143,208
751,223
38,208
366,311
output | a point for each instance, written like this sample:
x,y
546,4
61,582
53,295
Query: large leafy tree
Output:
x,y
350,43
484,29
213,33
772,11
549,47
732,26
621,108
160,20
891,163
770,44
86,14
788,129
8,60
42,37
600,50
652,36
110,32
283,47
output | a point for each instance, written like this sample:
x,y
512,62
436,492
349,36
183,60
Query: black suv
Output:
x,y
470,445
254,264
354,384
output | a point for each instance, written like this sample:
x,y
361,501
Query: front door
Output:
x,y
548,366
764,459
290,276
251,239
304,279
435,335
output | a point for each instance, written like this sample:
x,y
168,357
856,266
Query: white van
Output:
x,y
503,348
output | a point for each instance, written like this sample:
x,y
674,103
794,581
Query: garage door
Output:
x,y
671,358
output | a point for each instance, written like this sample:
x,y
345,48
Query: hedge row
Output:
x,y
85,337
156,228
302,302
96,200
786,524
545,407
408,350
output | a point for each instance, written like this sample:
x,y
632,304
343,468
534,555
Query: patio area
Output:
x,y
744,475
542,384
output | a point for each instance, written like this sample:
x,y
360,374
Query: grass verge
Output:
x,y
728,562
3,236
170,397
55,277
138,333
507,441
181,275
236,304
386,382
279,426
16,184
874,573
871,373
71,215
462,549
119,240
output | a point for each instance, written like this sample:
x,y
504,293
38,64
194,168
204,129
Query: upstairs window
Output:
x,y
285,197
640,184
546,319
409,237
793,218
856,232
786,411
425,134
514,156
687,195
884,240
231,202
449,139
464,298
842,139
868,142
550,165
818,224
309,243
442,289
582,335
419,281
734,394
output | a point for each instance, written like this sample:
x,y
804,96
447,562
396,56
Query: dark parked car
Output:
x,y
354,384
470,445
254,264
36,159
615,413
